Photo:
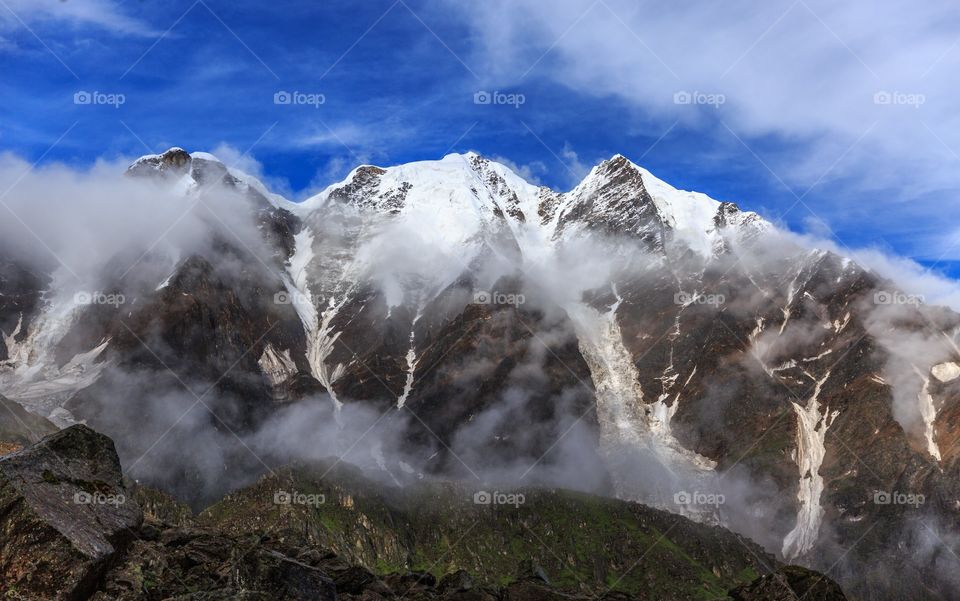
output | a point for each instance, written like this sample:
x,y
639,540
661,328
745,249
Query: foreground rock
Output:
x,y
64,515
170,562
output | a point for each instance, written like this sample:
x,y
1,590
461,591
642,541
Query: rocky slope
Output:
x,y
73,530
447,319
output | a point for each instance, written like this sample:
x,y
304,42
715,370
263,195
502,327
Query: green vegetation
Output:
x,y
581,541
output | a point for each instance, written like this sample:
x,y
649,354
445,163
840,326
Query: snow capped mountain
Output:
x,y
460,195
624,337
466,206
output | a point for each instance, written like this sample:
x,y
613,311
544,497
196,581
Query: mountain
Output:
x,y
448,320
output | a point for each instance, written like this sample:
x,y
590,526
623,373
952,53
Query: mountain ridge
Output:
x,y
623,338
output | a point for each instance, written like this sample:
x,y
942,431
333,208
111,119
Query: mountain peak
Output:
x,y
173,159
192,170
620,197
617,196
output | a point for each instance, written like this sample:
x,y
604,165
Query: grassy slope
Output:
x,y
583,542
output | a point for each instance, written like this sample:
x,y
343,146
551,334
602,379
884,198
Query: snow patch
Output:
x,y
928,413
411,368
946,372
629,427
30,375
809,455
278,367
319,331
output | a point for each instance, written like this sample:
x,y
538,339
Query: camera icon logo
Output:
x,y
481,297
882,297
482,97
282,497
682,97
482,498
282,97
882,497
682,498
282,298
82,97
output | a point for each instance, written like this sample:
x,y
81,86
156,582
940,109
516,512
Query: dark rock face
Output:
x,y
546,385
620,206
65,515
366,177
21,292
172,162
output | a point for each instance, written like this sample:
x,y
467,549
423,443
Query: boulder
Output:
x,y
64,515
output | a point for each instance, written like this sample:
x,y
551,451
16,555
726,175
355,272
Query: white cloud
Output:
x,y
910,276
233,158
808,72
530,172
934,287
575,167
343,136
100,13
816,226
246,163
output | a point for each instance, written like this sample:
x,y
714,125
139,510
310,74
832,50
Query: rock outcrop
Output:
x,y
65,515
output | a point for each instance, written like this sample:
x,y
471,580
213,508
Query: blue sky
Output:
x,y
835,120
